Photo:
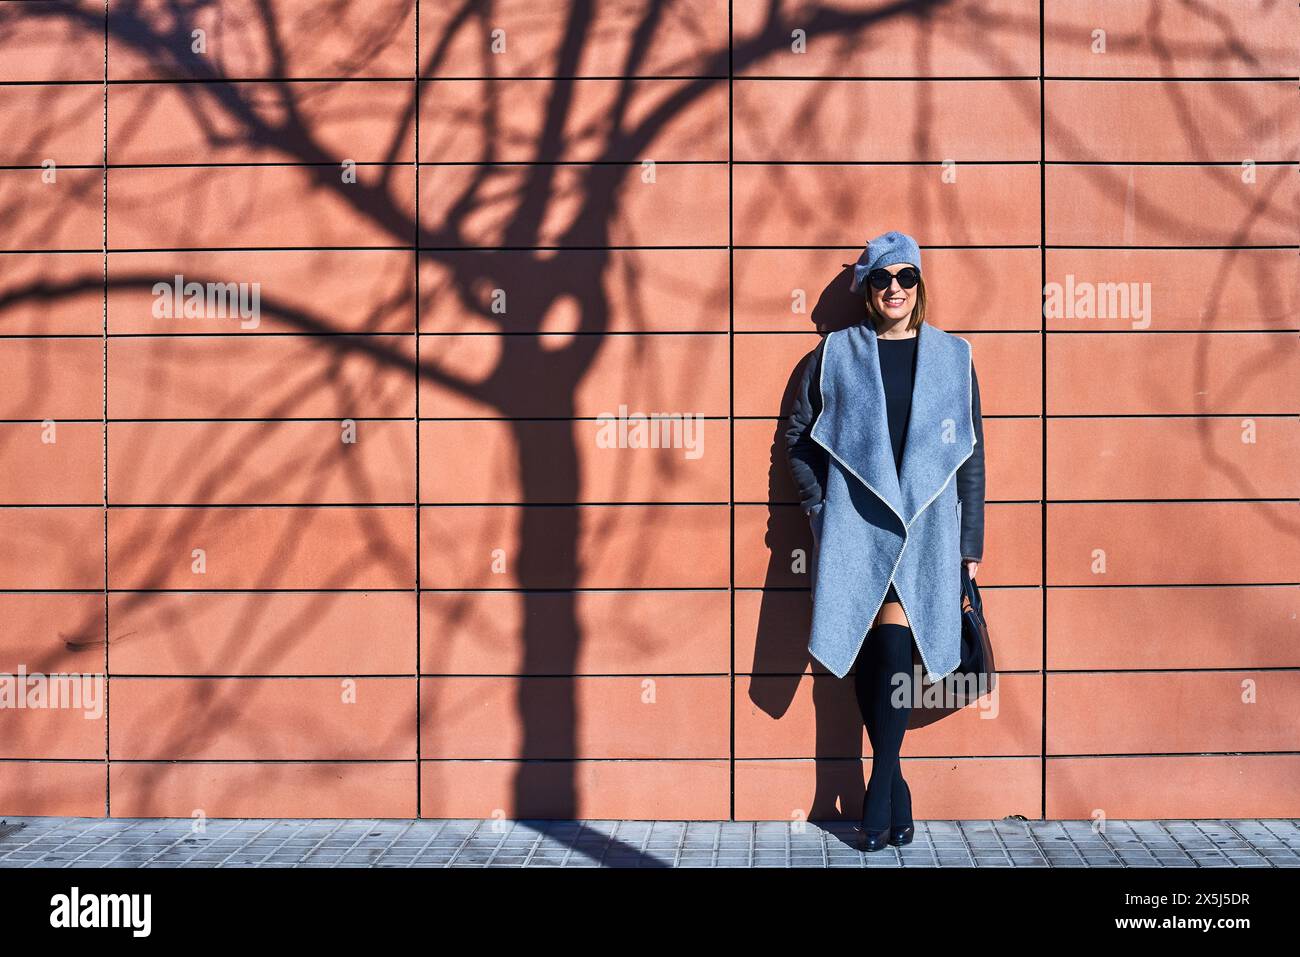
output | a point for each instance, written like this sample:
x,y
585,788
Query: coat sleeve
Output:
x,y
808,460
970,483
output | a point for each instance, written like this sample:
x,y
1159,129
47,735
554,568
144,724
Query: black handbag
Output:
x,y
975,675
977,669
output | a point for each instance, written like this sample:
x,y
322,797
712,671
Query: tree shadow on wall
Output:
x,y
482,225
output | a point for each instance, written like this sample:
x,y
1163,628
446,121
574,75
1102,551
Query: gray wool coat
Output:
x,y
873,524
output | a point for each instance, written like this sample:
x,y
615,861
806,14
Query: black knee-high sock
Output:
x,y
887,652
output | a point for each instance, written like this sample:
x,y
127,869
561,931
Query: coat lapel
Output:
x,y
854,422
854,418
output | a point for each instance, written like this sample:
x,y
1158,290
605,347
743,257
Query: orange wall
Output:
x,y
386,627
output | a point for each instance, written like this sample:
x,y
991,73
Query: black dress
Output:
x,y
897,373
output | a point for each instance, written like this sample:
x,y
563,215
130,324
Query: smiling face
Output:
x,y
894,303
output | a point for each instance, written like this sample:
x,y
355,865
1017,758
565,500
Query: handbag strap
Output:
x,y
971,591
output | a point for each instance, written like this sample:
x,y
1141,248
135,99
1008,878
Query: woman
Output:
x,y
886,414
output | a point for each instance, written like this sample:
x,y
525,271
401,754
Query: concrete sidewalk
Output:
x,y
170,842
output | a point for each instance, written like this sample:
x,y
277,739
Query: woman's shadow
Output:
x,y
781,658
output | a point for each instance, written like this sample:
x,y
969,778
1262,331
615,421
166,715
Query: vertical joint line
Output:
x,y
103,239
415,254
731,399
1042,319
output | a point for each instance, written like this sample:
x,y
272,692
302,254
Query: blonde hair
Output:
x,y
918,311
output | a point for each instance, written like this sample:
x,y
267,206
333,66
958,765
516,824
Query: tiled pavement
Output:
x,y
171,842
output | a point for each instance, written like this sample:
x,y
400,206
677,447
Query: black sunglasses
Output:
x,y
881,278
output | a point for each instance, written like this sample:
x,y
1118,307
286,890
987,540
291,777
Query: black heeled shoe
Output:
x,y
868,840
899,836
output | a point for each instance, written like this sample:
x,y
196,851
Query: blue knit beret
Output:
x,y
888,249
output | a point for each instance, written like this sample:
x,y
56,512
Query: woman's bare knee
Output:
x,y
891,613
